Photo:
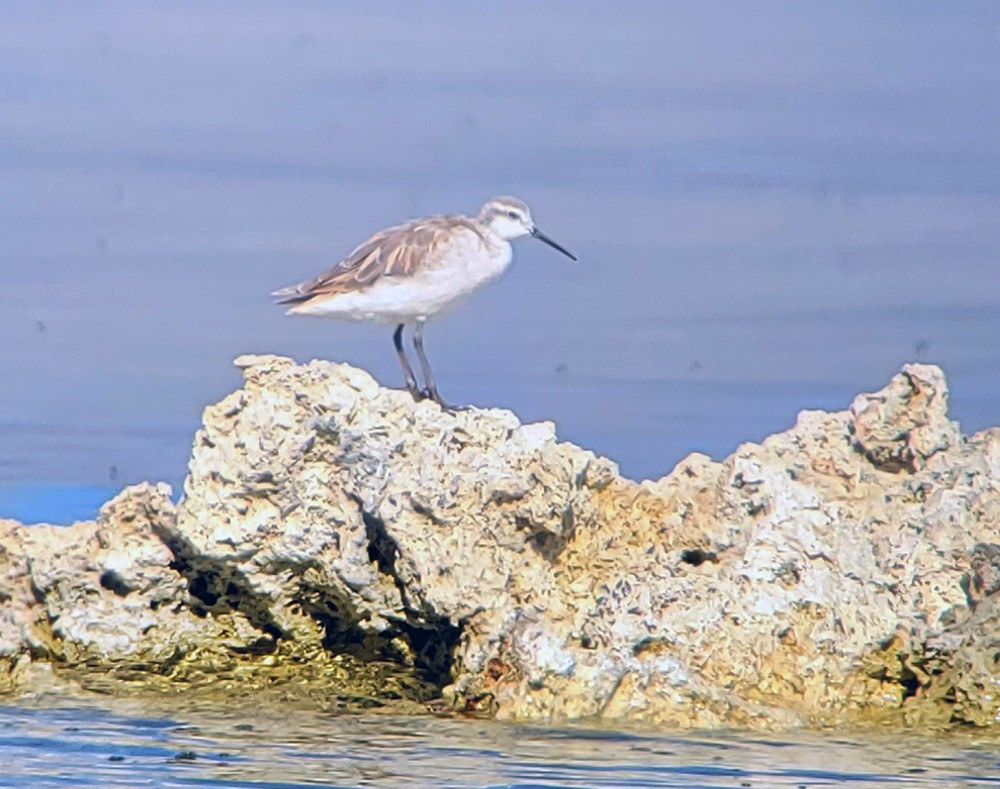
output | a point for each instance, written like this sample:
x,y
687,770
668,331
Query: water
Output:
x,y
93,746
774,207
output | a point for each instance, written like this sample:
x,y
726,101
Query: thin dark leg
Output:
x,y
431,391
411,379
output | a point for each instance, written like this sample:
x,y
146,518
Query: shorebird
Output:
x,y
408,274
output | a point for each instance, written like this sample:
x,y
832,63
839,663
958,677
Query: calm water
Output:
x,y
97,747
775,206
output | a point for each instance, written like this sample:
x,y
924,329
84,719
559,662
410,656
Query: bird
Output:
x,y
410,273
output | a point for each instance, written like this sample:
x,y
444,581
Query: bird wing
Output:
x,y
395,252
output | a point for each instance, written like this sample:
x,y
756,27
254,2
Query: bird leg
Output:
x,y
411,379
431,390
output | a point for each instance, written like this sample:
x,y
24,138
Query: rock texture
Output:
x,y
337,537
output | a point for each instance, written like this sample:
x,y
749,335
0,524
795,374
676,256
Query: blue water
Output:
x,y
95,746
60,504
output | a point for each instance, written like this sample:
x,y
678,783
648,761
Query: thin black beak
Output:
x,y
536,233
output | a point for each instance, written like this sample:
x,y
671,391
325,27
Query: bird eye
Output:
x,y
512,214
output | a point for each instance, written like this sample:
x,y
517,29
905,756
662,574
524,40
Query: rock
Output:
x,y
904,424
100,590
335,535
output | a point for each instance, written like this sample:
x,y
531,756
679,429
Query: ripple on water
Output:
x,y
123,744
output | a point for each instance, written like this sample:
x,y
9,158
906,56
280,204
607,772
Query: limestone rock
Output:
x,y
904,424
844,569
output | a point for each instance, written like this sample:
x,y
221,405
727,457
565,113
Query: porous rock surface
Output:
x,y
333,532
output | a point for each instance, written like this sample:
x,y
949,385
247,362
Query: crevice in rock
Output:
x,y
339,619
547,544
113,582
382,549
899,460
697,556
424,651
910,683
433,647
260,646
219,589
433,639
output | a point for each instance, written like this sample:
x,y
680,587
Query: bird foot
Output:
x,y
431,393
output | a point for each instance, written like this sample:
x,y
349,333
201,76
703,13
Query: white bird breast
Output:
x,y
466,266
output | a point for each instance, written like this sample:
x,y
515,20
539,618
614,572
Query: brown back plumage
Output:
x,y
395,252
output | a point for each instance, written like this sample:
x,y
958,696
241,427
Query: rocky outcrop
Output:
x,y
336,537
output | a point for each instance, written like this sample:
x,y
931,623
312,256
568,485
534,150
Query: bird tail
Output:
x,y
290,295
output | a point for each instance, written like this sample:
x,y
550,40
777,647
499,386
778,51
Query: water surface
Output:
x,y
121,745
